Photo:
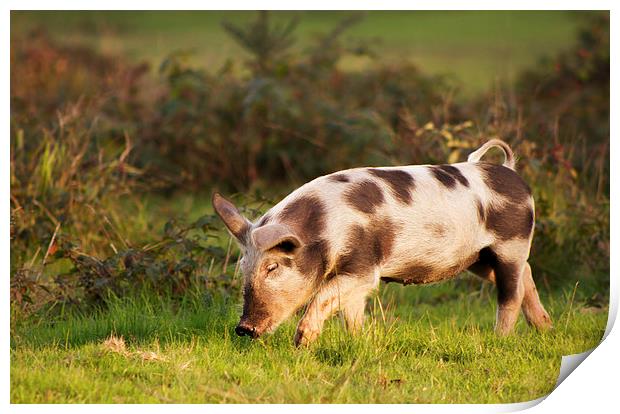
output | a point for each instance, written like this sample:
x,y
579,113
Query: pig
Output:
x,y
329,243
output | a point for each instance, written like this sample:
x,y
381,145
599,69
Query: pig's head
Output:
x,y
274,285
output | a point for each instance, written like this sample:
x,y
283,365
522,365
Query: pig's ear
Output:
x,y
236,223
275,236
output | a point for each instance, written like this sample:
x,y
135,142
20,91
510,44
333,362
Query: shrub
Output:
x,y
566,103
293,117
91,135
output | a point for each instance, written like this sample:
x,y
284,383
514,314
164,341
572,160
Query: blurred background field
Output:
x,y
123,124
478,47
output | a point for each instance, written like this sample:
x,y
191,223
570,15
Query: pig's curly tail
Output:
x,y
510,157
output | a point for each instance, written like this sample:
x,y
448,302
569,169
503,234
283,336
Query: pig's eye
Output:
x,y
272,267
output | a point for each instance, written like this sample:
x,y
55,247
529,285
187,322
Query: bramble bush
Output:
x,y
91,136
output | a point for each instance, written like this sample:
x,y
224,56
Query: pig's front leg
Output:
x,y
343,292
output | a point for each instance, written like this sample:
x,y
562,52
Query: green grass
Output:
x,y
477,47
429,344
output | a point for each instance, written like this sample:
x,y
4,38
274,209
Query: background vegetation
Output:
x,y
113,160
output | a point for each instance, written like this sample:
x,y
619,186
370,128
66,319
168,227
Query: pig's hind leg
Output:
x,y
505,270
510,294
533,310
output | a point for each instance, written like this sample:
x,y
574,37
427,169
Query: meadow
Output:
x,y
125,286
419,345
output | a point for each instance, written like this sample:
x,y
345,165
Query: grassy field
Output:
x,y
420,345
477,48
429,344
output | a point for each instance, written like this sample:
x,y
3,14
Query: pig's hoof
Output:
x,y
304,338
544,323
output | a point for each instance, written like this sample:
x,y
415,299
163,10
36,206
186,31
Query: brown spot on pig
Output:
x,y
365,196
510,221
358,256
456,173
306,215
505,182
449,175
366,247
417,273
312,260
383,233
446,179
339,178
400,182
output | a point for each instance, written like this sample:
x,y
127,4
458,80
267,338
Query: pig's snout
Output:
x,y
246,329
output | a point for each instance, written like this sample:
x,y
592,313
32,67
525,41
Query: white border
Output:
x,y
591,387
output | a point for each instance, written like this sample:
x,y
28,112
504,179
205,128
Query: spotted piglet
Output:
x,y
330,242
